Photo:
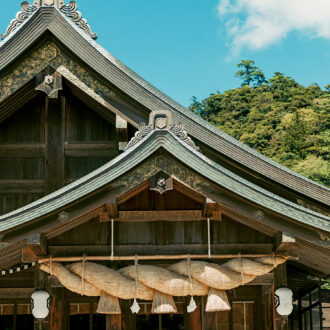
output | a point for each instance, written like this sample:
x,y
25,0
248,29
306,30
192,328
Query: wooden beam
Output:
x,y
57,313
209,207
193,321
88,149
16,293
128,319
166,249
267,279
113,322
155,257
22,150
122,133
112,209
285,243
55,136
172,215
22,186
104,217
129,194
184,189
36,246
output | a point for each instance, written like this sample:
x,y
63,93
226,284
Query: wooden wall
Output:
x,y
49,143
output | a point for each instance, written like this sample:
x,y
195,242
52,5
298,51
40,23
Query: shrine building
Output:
x,y
122,210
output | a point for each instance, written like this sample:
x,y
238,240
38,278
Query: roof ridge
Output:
x,y
69,10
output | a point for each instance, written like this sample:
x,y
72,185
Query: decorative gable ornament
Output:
x,y
161,121
70,11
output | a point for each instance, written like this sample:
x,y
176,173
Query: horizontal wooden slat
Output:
x,y
172,215
122,250
87,149
22,186
16,293
22,150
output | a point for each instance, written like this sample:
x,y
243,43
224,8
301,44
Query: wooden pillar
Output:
x,y
55,136
57,310
267,306
280,279
214,320
193,321
128,319
113,322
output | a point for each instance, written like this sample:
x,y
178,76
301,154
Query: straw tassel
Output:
x,y
192,305
135,308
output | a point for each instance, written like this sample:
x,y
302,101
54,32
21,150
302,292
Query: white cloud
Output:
x,y
256,24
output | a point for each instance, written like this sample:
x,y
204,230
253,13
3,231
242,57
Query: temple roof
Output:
x,y
56,17
176,143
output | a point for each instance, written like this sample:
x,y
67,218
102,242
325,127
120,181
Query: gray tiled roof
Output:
x,y
181,151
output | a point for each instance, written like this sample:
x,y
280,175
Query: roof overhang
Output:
x,y
115,73
180,159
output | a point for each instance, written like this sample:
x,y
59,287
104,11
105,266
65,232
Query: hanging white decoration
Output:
x,y
40,303
283,301
135,308
192,305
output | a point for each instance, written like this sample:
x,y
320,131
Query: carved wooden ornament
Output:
x,y
49,82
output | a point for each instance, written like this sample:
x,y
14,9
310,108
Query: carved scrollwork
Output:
x,y
179,131
71,11
21,16
143,131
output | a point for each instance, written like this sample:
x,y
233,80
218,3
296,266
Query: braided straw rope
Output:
x,y
186,278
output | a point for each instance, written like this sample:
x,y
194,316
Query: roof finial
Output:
x,y
70,10
49,3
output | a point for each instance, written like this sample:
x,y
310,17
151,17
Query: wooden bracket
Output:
x,y
111,211
211,210
122,133
209,207
286,244
49,81
161,182
36,245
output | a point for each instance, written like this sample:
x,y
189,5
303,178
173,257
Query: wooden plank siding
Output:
x,y
48,143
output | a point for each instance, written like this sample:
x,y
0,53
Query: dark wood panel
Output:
x,y
193,321
126,250
230,231
90,233
22,150
91,149
84,124
57,310
148,200
76,167
22,168
26,125
169,215
54,174
22,187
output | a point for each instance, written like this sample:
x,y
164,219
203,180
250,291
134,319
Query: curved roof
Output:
x,y
174,145
114,71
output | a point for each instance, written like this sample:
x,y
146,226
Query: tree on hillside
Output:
x,y
282,119
250,74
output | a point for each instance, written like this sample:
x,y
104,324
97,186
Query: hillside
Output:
x,y
279,118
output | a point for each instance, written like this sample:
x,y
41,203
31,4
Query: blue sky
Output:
x,y
191,47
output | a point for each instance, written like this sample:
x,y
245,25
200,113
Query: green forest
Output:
x,y
278,117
